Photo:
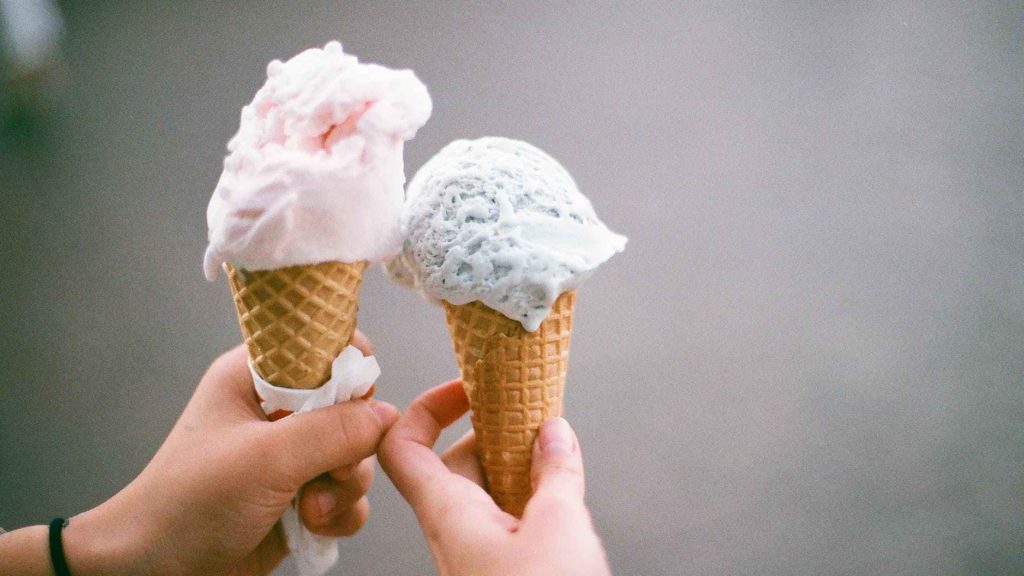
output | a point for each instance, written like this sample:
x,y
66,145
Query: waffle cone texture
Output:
x,y
297,320
515,380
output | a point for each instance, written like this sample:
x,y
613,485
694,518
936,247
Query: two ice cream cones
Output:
x,y
494,229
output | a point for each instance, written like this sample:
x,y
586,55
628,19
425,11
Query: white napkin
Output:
x,y
352,375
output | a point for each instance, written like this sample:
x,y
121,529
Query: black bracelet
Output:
x,y
60,565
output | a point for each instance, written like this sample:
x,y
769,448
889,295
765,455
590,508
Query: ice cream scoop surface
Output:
x,y
315,172
499,221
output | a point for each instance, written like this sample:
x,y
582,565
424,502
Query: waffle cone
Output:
x,y
515,381
297,320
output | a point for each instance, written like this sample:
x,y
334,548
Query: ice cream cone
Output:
x,y
297,320
515,380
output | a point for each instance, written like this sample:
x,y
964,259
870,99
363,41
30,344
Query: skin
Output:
x,y
466,531
210,500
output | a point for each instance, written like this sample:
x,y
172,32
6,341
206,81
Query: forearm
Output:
x,y
25,552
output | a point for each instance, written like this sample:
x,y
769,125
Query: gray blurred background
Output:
x,y
808,361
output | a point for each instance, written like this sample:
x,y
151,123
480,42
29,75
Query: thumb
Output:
x,y
556,473
309,444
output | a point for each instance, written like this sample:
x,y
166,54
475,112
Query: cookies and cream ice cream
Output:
x,y
499,221
315,172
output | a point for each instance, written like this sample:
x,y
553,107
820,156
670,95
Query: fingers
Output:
x,y
325,503
342,473
463,459
303,446
407,454
346,523
228,375
362,342
557,476
231,368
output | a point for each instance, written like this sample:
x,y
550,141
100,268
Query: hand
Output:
x,y
209,501
466,531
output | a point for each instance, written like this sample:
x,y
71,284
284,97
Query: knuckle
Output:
x,y
229,360
356,487
342,473
363,343
355,519
358,429
363,479
347,431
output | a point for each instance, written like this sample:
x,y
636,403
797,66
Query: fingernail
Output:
x,y
326,500
385,412
555,437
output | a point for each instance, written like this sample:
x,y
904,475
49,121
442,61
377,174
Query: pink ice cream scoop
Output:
x,y
315,172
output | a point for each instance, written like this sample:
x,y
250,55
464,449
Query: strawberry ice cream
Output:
x,y
315,172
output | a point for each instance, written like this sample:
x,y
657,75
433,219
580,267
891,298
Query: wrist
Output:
x,y
101,541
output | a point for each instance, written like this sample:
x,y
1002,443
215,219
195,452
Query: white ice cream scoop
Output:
x,y
499,221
